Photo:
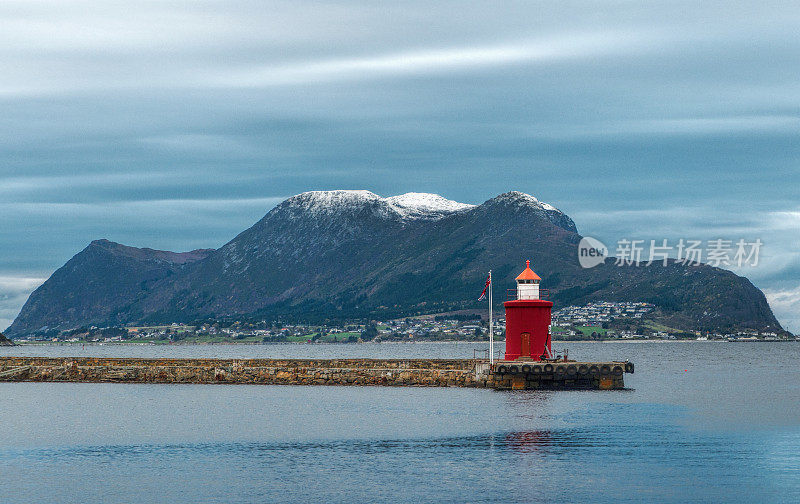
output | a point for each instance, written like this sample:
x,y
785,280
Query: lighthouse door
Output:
x,y
526,345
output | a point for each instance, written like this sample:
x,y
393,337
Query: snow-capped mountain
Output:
x,y
425,205
362,205
344,254
405,206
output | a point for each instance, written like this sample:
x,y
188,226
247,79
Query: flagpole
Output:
x,y
491,330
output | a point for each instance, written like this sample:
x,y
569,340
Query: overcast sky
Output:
x,y
177,125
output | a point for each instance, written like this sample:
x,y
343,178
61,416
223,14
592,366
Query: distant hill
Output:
x,y
97,284
345,254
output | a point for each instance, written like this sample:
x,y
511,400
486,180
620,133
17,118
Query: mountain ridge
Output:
x,y
339,254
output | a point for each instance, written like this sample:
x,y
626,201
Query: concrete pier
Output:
x,y
526,375
474,373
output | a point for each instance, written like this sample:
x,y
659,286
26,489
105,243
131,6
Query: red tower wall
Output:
x,y
530,316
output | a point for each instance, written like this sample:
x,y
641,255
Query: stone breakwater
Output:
x,y
391,372
387,372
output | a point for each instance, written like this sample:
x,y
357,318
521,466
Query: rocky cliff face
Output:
x,y
340,254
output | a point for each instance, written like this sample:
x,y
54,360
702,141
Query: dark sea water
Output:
x,y
700,422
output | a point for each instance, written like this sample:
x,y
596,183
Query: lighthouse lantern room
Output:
x,y
528,283
528,320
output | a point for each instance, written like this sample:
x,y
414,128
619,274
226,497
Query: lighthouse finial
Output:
x,y
528,263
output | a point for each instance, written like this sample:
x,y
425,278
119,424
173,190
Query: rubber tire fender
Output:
x,y
617,371
548,368
605,370
629,367
572,370
583,370
526,369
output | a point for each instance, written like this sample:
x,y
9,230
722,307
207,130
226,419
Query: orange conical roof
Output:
x,y
528,273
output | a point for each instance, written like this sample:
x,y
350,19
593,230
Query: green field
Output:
x,y
588,330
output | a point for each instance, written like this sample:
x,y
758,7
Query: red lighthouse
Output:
x,y
528,320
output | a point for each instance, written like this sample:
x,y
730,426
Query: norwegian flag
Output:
x,y
483,294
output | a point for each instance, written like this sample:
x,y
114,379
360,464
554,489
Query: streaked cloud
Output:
x,y
689,127
584,45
